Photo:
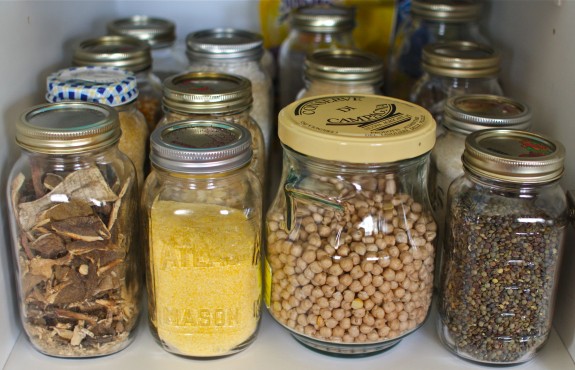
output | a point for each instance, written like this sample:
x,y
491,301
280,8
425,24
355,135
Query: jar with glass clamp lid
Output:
x,y
72,201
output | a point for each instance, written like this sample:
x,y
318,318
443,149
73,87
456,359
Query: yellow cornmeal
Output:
x,y
205,275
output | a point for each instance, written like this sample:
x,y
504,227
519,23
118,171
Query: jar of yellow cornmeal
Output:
x,y
203,212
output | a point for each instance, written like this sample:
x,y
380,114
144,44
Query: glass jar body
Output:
x,y
316,87
404,63
501,262
293,52
201,233
262,90
134,140
150,97
168,61
75,247
350,253
242,118
431,91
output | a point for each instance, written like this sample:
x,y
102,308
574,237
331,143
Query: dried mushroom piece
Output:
x,y
48,246
63,211
117,204
79,247
52,180
86,185
86,228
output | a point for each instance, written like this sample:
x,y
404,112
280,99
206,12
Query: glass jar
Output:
x,y
237,52
506,222
311,28
206,95
350,235
160,34
72,202
131,54
342,71
465,114
203,210
430,21
113,87
455,68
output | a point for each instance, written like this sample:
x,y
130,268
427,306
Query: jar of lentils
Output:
x,y
210,95
350,235
506,221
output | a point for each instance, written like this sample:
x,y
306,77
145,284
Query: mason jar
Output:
x,y
429,21
72,202
465,114
239,52
350,235
210,95
311,28
342,71
160,34
113,87
202,229
131,54
455,68
506,224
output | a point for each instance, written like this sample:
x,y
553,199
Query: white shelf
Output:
x,y
276,349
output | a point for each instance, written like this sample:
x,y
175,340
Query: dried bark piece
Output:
x,y
67,293
52,180
75,316
86,185
25,246
29,282
80,247
15,189
63,211
86,228
48,246
43,267
117,204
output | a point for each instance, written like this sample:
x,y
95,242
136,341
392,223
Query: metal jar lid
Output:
x,y
323,19
114,51
157,32
468,113
201,147
447,10
224,43
207,93
344,66
357,128
513,156
68,128
105,85
461,59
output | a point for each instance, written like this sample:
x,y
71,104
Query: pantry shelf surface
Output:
x,y
277,350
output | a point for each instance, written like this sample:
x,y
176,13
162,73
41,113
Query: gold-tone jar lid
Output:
x,y
157,32
207,93
468,113
114,51
68,128
447,10
461,59
356,128
344,66
201,146
323,18
224,43
513,156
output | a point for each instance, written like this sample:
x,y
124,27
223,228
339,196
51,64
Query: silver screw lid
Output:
x,y
114,51
207,93
224,43
201,147
68,128
157,32
472,112
447,10
460,59
344,66
513,156
323,18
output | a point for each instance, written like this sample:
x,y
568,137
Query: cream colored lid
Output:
x,y
357,128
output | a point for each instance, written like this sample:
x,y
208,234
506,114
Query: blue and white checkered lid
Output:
x,y
105,85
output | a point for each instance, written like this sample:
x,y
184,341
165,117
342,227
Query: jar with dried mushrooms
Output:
x,y
72,201
113,87
350,235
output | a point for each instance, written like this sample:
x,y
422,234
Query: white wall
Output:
x,y
537,39
36,37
